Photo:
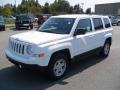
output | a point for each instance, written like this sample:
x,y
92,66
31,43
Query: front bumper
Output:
x,y
27,60
29,66
22,25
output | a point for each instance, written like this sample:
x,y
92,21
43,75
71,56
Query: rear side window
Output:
x,y
107,23
85,24
97,23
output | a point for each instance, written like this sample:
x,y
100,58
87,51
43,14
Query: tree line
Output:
x,y
34,7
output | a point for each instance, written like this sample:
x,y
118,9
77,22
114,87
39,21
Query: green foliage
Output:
x,y
7,10
77,9
60,6
46,9
88,11
70,11
0,10
29,6
33,6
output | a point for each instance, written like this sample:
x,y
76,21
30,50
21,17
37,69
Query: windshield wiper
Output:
x,y
48,31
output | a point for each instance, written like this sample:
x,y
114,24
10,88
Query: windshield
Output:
x,y
57,25
1,18
23,17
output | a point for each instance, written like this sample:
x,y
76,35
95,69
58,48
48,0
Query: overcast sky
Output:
x,y
87,3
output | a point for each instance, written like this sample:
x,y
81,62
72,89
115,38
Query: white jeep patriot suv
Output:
x,y
59,41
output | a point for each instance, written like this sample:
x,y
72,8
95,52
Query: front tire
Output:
x,y
58,66
30,27
4,29
106,49
17,27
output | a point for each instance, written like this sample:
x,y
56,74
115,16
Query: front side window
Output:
x,y
97,23
107,23
85,24
57,25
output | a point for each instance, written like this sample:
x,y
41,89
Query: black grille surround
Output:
x,y
17,46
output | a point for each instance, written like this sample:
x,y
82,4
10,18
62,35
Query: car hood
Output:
x,y
36,37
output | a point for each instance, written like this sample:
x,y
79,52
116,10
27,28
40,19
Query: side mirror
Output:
x,y
80,31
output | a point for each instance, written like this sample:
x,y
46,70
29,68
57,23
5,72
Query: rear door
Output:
x,y
98,32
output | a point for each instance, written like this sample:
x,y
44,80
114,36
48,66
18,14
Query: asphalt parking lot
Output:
x,y
94,73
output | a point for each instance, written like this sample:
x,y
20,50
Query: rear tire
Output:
x,y
106,49
58,66
4,29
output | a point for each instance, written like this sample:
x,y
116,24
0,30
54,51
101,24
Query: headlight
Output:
x,y
30,49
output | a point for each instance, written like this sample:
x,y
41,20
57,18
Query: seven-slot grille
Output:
x,y
17,46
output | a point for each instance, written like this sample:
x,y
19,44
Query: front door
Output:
x,y
84,42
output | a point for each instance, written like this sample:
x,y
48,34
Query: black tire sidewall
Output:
x,y
103,49
53,61
31,26
3,29
17,27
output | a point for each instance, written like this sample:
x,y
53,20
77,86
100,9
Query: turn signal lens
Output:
x,y
42,55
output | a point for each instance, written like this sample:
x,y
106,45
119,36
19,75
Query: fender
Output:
x,y
61,46
108,35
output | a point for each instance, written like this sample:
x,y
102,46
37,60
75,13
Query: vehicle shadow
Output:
x,y
12,78
21,29
2,31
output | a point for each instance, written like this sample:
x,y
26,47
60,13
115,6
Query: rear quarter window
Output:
x,y
97,23
106,22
